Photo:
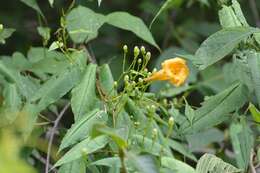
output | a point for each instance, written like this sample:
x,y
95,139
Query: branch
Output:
x,y
255,12
56,122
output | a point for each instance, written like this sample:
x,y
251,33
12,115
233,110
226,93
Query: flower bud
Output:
x,y
139,61
125,48
140,80
171,121
84,151
148,56
1,26
136,51
153,108
136,123
149,73
115,84
154,133
126,78
154,70
145,70
143,50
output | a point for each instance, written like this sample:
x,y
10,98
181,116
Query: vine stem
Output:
x,y
56,122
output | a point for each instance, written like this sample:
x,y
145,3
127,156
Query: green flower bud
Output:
x,y
126,78
125,48
140,80
171,121
115,84
1,26
154,70
154,133
143,50
139,61
148,56
153,108
84,151
145,70
136,51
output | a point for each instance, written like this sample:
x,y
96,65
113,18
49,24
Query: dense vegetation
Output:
x,y
100,86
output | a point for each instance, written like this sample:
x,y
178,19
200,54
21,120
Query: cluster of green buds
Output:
x,y
134,76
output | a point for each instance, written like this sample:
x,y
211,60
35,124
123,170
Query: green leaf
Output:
x,y
228,18
176,165
215,109
106,80
254,66
82,128
11,105
84,98
109,162
56,87
131,23
147,145
254,112
189,113
83,148
55,45
142,163
221,44
180,147
5,33
165,6
242,141
83,24
209,163
76,166
101,129
34,5
44,32
239,14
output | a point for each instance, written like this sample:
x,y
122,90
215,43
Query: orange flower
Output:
x,y
175,70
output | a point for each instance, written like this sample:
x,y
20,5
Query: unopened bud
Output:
x,y
140,80
136,51
148,56
125,48
143,50
115,84
171,121
84,151
139,61
145,70
154,70
126,78
154,133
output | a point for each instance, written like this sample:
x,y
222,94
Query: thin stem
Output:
x,y
56,122
255,12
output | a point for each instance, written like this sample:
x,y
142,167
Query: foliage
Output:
x,y
82,95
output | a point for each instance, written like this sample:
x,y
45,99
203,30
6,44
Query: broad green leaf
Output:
x,y
180,147
147,145
176,165
84,98
142,163
56,87
254,112
228,17
34,5
201,140
239,14
215,109
11,105
101,129
109,162
189,113
220,44
242,141
209,163
83,148
131,23
76,166
5,33
45,33
82,128
83,24
24,84
254,66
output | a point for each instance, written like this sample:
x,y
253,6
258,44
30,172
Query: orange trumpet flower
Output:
x,y
175,70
